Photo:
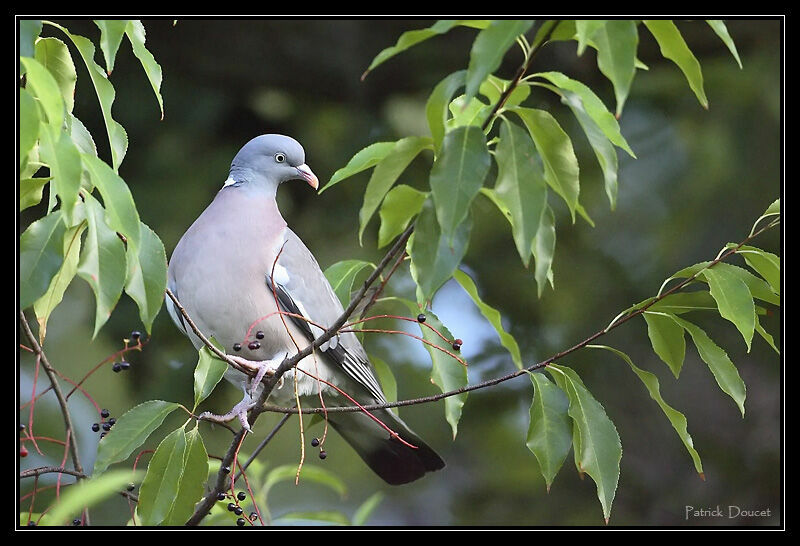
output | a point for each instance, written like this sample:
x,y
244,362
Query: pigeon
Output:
x,y
247,280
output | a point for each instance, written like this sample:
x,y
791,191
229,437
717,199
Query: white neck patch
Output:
x,y
229,182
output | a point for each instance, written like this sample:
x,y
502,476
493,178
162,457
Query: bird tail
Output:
x,y
389,457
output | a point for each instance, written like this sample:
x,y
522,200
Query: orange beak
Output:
x,y
305,173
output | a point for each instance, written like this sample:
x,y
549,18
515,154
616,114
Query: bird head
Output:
x,y
270,160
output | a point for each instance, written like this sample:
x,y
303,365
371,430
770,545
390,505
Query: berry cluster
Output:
x,y
235,508
106,424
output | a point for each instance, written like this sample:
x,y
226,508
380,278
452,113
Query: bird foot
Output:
x,y
239,410
263,368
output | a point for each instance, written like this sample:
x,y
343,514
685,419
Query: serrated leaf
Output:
x,y
40,257
341,276
555,148
674,48
520,186
193,477
111,33
766,335
136,34
437,107
64,160
543,249
30,191
616,43
130,431
549,431
117,199
29,30
666,337
159,489
489,48
722,31
117,137
766,264
725,373
447,373
733,300
676,418
433,258
399,206
146,277
600,448
386,174
43,86
207,374
81,137
28,124
44,306
457,176
491,314
53,54
363,160
87,493
365,510
585,29
102,262
758,287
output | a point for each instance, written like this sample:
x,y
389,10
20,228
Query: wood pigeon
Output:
x,y
228,270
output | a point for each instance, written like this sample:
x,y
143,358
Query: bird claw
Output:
x,y
238,411
263,368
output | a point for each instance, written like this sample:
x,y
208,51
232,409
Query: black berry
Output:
x,y
240,522
226,469
131,487
103,434
237,346
253,516
95,427
241,495
231,507
323,454
125,365
104,413
31,523
106,426
253,345
314,442
238,510
457,345
259,335
76,522
136,335
221,496
21,427
116,367
421,318
112,421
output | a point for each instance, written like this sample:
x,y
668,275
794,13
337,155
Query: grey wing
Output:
x,y
302,289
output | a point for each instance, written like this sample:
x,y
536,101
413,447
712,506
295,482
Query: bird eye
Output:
x,y
280,158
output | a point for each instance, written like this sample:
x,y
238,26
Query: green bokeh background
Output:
x,y
700,180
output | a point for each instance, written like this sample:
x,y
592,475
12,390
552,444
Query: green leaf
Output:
x,y
53,54
682,302
585,29
433,258
549,431
89,492
617,42
80,136
386,174
193,477
600,448
667,339
111,33
64,160
28,124
437,107
364,511
40,257
117,199
117,137
341,276
456,177
130,431
309,473
766,335
207,374
758,287
44,306
733,300
146,277
676,418
722,31
386,379
363,160
725,373
492,88
448,373
399,206
41,84
489,48
558,156
30,191
765,263
160,487
520,185
467,112
29,30
491,314
136,34
543,248
102,263
674,48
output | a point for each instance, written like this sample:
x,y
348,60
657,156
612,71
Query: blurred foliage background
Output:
x,y
700,180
